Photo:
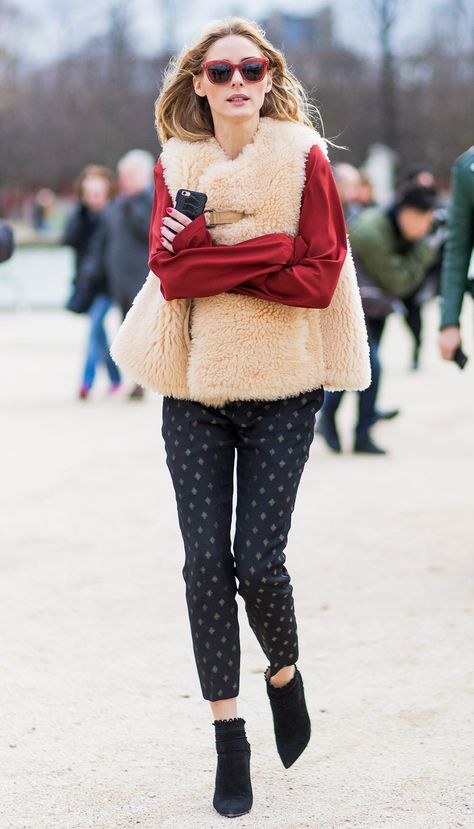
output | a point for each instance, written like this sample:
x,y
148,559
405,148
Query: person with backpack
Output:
x,y
391,256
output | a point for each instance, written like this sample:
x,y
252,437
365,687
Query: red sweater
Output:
x,y
301,271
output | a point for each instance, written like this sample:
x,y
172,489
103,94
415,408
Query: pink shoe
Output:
x,y
115,387
84,392
137,393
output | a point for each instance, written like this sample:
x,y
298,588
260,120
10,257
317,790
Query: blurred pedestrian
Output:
x,y
365,191
391,258
95,187
7,244
456,278
419,174
348,181
43,205
233,334
120,248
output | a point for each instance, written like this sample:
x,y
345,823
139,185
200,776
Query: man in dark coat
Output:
x,y
120,247
7,244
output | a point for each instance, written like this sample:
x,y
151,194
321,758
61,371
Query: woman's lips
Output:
x,y
238,101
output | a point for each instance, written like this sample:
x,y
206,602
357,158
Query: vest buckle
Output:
x,y
222,217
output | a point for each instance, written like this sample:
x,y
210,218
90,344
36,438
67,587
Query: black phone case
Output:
x,y
459,357
190,202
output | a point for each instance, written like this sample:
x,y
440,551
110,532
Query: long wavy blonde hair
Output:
x,y
181,113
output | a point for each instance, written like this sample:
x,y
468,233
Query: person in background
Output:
x,y
419,174
391,258
365,191
95,187
7,244
455,281
120,248
42,209
348,181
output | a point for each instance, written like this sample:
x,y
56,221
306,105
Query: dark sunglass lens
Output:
x,y
253,70
219,72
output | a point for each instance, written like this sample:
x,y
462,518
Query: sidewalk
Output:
x,y
102,723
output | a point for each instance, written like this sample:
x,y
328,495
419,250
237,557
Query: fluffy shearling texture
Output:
x,y
152,344
344,335
242,347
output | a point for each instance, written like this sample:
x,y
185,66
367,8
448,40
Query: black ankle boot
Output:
x,y
290,718
233,792
364,444
326,427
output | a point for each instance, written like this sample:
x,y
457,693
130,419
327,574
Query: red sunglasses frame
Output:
x,y
233,67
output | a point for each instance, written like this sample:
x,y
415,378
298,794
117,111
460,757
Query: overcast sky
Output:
x,y
51,19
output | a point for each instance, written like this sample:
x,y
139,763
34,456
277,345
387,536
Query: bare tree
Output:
x,y
10,21
437,106
386,13
95,101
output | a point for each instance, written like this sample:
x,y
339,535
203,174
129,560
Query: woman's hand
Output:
x,y
172,224
449,340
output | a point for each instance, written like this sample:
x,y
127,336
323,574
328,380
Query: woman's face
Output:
x,y
95,193
238,100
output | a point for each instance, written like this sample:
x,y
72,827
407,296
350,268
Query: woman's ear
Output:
x,y
198,87
269,83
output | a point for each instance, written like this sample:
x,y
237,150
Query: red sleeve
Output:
x,y
301,271
319,249
198,267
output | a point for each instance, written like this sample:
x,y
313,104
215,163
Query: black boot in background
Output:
x,y
326,427
233,792
364,444
290,718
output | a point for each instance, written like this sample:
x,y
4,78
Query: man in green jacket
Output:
x,y
454,280
391,257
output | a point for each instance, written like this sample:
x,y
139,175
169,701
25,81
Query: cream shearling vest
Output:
x,y
232,347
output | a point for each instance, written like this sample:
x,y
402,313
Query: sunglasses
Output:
x,y
252,70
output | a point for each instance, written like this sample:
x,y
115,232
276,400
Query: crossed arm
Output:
x,y
301,271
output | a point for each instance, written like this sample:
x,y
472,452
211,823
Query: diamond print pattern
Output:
x,y
271,442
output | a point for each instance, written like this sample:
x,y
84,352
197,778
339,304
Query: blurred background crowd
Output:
x,y
393,79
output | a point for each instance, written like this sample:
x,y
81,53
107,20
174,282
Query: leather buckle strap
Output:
x,y
222,217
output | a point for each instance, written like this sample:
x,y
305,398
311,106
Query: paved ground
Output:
x,y
102,725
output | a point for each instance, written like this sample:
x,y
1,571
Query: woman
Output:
x,y
241,353
95,187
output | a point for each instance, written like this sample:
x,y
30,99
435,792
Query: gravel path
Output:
x,y
102,725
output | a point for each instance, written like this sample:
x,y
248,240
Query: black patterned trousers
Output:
x,y
271,442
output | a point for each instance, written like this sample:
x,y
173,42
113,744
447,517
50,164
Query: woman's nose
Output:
x,y
237,77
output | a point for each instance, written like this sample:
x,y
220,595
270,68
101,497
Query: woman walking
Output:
x,y
95,186
260,308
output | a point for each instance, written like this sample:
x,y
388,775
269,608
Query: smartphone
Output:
x,y
459,357
190,202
